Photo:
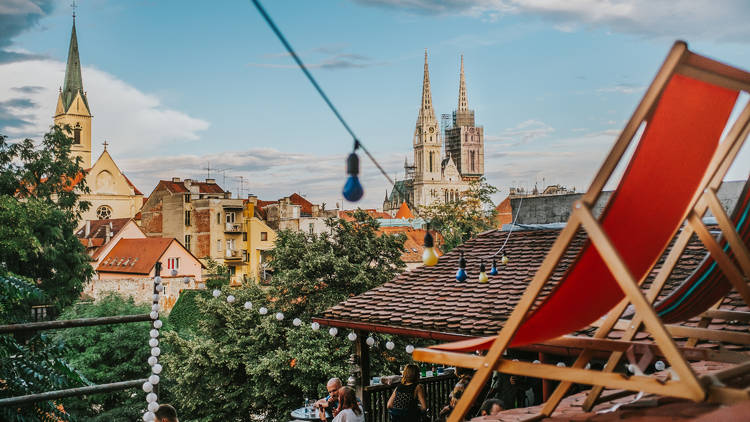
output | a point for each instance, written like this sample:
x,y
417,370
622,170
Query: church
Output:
x,y
440,172
112,194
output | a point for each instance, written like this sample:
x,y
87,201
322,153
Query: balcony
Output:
x,y
231,254
233,228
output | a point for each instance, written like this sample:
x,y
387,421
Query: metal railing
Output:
x,y
436,392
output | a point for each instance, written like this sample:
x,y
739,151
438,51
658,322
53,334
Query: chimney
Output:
x,y
88,228
188,182
211,181
108,229
176,179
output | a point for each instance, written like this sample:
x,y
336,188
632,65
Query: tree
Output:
x,y
463,219
241,363
31,365
107,353
39,210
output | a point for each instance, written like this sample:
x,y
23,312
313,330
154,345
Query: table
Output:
x,y
306,414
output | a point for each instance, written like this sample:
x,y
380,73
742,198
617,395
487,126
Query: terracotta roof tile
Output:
x,y
97,228
135,256
179,187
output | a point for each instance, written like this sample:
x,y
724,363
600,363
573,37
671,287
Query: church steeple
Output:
x,y
426,112
463,102
73,81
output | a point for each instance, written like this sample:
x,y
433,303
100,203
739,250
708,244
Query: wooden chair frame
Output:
x,y
686,384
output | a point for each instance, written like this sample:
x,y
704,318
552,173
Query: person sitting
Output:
x,y
491,407
349,409
328,405
407,401
166,413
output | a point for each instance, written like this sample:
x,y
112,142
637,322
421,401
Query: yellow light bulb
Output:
x,y
504,260
429,257
483,277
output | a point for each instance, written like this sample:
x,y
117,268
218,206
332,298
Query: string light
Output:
x,y
659,365
279,316
493,270
230,299
248,305
370,341
353,189
216,293
315,326
390,345
504,260
429,257
483,273
409,349
352,336
333,331
461,273
297,322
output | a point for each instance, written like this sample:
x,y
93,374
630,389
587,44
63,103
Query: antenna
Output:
x,y
74,6
241,185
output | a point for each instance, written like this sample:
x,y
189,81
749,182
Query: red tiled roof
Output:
x,y
404,211
135,256
348,215
98,229
414,243
305,205
430,298
179,187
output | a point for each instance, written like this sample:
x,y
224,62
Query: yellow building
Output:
x,y
112,194
258,239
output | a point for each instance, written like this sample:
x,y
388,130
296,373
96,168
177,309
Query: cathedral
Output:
x,y
112,194
440,172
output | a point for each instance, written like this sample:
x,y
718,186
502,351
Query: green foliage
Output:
x,y
107,353
39,207
185,315
218,274
241,363
463,219
30,365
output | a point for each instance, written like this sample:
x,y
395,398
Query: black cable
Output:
x,y
357,142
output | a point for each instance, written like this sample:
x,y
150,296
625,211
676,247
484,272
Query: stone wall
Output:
x,y
142,289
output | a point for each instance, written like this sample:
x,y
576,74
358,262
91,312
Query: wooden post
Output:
x,y
546,384
363,355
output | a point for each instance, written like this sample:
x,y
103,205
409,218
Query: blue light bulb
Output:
x,y
493,270
461,274
352,189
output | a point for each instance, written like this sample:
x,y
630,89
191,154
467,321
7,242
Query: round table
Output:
x,y
306,414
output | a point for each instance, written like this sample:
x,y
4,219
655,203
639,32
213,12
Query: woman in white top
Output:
x,y
349,410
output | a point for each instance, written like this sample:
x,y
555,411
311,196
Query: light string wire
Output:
x,y
512,225
357,142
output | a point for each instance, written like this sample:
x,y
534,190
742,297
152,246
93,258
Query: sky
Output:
x,y
176,86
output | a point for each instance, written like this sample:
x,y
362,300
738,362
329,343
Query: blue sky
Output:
x,y
174,85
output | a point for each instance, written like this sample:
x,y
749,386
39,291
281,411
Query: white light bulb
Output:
x,y
159,288
248,305
154,315
153,406
154,333
333,331
536,361
659,365
296,322
156,297
155,307
216,293
157,280
149,417
279,316
158,323
155,351
148,387
263,310
173,272
315,326
588,366
156,369
153,342
352,336
230,299
370,341
152,360
153,379
151,397
409,349
390,345
561,364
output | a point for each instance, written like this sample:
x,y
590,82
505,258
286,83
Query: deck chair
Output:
x,y
671,177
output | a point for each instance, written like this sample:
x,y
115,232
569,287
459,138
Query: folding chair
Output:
x,y
672,177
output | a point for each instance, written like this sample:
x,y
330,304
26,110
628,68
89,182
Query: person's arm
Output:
x,y
420,397
390,400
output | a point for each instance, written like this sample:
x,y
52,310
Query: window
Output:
x,y
230,244
311,227
245,256
218,245
173,263
472,153
187,218
431,153
187,198
263,236
104,212
187,242
230,217
77,134
218,218
232,270
244,236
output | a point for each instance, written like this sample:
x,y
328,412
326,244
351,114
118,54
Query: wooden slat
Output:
x,y
741,253
727,315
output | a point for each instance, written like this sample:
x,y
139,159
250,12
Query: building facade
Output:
x,y
440,172
112,194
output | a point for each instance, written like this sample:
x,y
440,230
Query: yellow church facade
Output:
x,y
112,194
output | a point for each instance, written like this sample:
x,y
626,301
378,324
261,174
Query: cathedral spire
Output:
x,y
463,102
73,81
426,112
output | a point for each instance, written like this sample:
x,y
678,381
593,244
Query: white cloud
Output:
x,y
525,132
123,115
690,19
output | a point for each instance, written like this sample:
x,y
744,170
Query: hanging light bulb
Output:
x,y
370,341
461,273
504,260
483,273
493,270
429,257
353,189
